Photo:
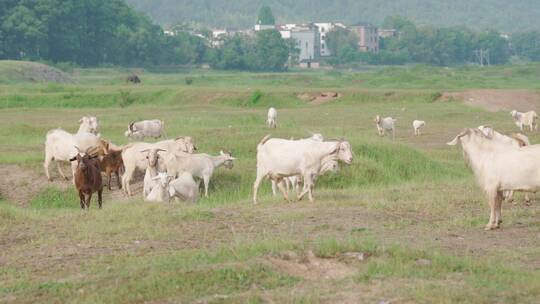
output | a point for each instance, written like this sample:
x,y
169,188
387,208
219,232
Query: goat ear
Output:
x,y
156,177
73,159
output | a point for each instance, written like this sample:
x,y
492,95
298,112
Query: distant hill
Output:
x,y
503,15
12,71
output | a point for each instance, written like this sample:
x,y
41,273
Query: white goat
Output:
x,y
417,125
279,158
60,146
294,181
134,159
160,191
152,156
271,119
528,119
516,140
146,128
89,124
385,124
184,188
499,167
198,165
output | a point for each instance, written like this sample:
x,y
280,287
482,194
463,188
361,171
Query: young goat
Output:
x,y
160,191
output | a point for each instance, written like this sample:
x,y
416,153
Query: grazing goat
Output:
x,y
417,125
385,124
112,163
146,128
184,188
60,146
134,159
528,119
151,170
279,158
271,120
87,177
89,124
499,167
198,165
160,191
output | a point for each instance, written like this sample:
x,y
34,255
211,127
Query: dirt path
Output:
x,y
19,184
497,100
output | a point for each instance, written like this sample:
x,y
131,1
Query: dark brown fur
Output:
x,y
112,162
88,179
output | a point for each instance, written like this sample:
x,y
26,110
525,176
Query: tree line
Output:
x,y
90,33
435,46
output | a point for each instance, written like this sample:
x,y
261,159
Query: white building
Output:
x,y
324,28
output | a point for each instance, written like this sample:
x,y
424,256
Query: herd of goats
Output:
x,y
502,164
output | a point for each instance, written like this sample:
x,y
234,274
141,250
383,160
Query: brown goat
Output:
x,y
88,178
112,162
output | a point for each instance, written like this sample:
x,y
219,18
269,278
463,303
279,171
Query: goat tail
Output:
x,y
265,139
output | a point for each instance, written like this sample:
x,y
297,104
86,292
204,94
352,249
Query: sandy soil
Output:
x,y
497,100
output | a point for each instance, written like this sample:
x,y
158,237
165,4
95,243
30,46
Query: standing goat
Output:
x,y
517,141
89,124
135,160
112,163
417,125
528,119
271,118
499,167
87,177
280,158
198,165
385,124
60,146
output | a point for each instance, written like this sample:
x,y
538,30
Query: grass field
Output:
x,y
410,206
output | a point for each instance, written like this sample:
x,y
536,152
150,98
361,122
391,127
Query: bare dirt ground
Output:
x,y
18,184
319,98
497,100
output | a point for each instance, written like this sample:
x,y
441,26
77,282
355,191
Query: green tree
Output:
x,y
265,16
498,47
271,51
527,44
343,44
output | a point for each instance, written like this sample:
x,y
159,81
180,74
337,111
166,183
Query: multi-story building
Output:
x,y
324,28
368,37
308,42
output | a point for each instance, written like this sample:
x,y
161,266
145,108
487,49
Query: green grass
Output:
x,y
400,202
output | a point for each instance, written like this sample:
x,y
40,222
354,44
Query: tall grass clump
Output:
x,y
125,99
256,97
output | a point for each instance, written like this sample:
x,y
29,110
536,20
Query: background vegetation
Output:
x,y
501,15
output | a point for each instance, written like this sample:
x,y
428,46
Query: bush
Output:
x,y
188,80
256,97
126,99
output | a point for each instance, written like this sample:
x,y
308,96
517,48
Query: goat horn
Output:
x,y
78,149
145,150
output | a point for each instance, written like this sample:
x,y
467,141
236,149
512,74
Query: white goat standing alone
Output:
x,y
528,119
499,167
417,125
271,119
385,124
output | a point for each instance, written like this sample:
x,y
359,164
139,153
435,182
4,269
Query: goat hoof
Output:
x,y
491,227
